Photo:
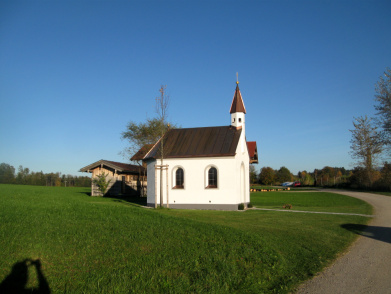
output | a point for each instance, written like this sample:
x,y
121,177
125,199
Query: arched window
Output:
x,y
179,179
212,177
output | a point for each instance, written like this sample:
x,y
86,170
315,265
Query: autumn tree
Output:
x,y
384,182
366,146
283,175
383,107
305,178
267,176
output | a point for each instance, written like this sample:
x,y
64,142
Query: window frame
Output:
x,y
174,178
215,179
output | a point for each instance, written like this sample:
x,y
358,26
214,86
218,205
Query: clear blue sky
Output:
x,y
74,73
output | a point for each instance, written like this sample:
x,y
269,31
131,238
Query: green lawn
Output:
x,y
310,201
103,245
382,193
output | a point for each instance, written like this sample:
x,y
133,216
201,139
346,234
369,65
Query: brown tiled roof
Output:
x,y
198,142
142,152
121,167
237,102
252,151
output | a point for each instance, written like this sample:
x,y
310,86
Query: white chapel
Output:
x,y
203,168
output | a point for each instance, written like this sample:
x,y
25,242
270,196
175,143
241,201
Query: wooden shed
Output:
x,y
125,179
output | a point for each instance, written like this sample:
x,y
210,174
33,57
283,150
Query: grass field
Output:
x,y
103,245
310,201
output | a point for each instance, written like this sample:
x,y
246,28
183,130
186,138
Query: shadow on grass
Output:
x,y
378,233
130,200
17,280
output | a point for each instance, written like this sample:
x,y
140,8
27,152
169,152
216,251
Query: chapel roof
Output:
x,y
118,166
198,142
237,102
142,152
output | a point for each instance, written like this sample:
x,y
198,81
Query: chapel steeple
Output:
x,y
237,102
238,110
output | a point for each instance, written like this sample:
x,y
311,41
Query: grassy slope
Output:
x,y
89,244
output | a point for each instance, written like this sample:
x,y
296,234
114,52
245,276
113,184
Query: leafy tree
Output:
x,y
140,134
253,174
366,146
360,179
7,173
23,173
384,182
305,178
283,175
267,176
383,98
102,182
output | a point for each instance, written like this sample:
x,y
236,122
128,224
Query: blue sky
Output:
x,y
74,73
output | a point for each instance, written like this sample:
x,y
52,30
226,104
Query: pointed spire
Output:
x,y
237,102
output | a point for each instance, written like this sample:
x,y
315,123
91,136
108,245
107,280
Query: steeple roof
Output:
x,y
237,102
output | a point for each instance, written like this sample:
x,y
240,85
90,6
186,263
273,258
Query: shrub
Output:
x,y
102,182
250,205
241,206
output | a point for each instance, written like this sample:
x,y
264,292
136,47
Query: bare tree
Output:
x,y
366,145
162,103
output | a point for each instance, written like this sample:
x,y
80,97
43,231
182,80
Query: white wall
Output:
x,y
230,189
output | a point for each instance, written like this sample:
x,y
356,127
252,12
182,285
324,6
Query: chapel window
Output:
x,y
212,178
179,178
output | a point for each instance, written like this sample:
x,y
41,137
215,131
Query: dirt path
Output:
x,y
366,266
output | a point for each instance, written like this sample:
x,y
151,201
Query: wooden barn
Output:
x,y
125,179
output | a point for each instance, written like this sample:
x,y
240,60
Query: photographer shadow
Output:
x,y
17,280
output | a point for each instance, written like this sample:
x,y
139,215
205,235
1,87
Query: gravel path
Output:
x,y
366,266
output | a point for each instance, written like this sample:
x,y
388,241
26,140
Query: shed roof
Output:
x,y
121,167
198,142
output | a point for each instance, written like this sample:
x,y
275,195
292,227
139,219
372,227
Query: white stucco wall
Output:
x,y
233,179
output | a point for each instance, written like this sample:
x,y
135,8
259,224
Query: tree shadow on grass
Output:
x,y
378,233
17,280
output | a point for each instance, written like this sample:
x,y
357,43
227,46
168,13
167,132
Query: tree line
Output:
x,y
23,176
327,176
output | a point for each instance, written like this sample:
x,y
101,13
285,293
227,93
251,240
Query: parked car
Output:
x,y
297,184
287,184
